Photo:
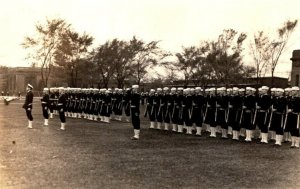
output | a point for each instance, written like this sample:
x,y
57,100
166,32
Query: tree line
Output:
x,y
66,56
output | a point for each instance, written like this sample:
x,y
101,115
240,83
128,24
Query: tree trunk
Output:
x,y
272,79
120,83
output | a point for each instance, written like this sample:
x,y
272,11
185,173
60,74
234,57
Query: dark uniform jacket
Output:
x,y
28,100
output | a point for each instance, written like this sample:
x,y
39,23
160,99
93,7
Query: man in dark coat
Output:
x,y
135,111
45,105
61,105
28,104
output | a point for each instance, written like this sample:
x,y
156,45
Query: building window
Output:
x,y
297,80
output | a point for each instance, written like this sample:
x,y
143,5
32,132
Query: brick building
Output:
x,y
14,80
295,80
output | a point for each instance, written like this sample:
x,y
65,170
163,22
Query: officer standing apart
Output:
x,y
135,111
61,106
28,104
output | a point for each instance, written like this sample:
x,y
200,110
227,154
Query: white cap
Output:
x,y
166,88
198,88
265,88
273,89
221,89
287,89
180,89
173,89
229,89
158,89
241,90
280,90
152,90
235,89
30,86
295,88
46,89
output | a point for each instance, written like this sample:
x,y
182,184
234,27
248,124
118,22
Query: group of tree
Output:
x,y
266,51
66,56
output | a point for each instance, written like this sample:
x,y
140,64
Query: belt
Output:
x,y
280,113
133,106
44,102
295,113
59,104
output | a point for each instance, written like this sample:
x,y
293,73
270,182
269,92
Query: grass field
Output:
x,y
98,155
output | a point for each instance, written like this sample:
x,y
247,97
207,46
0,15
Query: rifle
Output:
x,y
113,101
120,105
152,109
101,106
270,117
286,116
96,105
255,112
174,106
216,112
191,112
241,114
205,112
167,111
180,112
91,105
146,110
160,102
298,121
159,110
227,114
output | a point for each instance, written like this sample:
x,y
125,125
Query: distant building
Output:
x,y
295,80
14,80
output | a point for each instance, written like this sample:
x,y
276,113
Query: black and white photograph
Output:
x,y
150,94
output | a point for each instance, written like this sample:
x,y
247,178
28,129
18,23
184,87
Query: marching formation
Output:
x,y
237,112
92,104
232,111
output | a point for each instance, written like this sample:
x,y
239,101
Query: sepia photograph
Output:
x,y
149,94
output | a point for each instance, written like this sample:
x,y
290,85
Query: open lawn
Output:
x,y
97,155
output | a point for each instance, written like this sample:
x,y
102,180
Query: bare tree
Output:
x,y
258,51
147,55
44,45
277,46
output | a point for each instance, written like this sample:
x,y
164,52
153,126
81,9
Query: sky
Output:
x,y
176,23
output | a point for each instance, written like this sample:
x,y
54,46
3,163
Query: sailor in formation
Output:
x,y
238,113
273,114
